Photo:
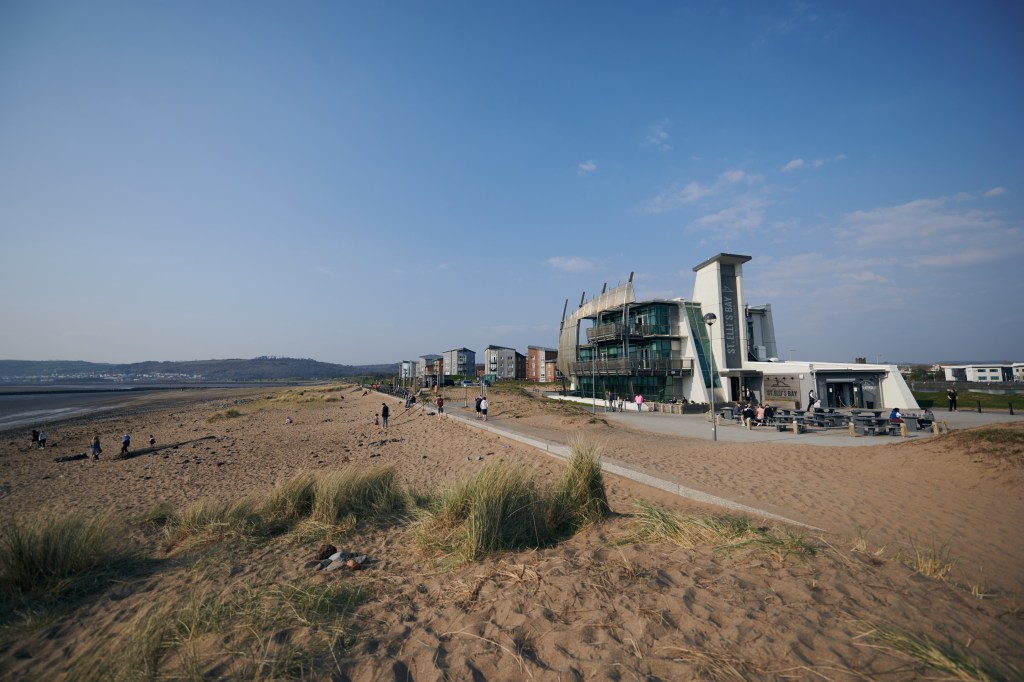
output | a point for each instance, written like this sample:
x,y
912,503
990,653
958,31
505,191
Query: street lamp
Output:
x,y
709,320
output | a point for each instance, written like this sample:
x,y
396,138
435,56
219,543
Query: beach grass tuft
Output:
x,y
726,532
580,496
361,493
498,508
929,654
55,556
291,499
934,560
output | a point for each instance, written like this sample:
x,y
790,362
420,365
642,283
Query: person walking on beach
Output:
x,y
639,400
951,395
95,448
35,438
384,415
152,440
42,440
483,408
440,406
125,444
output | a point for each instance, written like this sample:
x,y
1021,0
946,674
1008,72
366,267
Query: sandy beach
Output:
x,y
594,606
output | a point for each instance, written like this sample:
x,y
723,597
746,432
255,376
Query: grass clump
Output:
x,y
56,556
213,519
360,493
580,493
293,499
931,560
502,508
929,654
226,414
726,532
498,508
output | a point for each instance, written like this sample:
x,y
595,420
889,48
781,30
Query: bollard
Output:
x,y
796,427
935,427
945,426
853,432
979,407
1011,409
903,430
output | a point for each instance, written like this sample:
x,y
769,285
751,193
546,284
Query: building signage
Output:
x,y
781,388
730,315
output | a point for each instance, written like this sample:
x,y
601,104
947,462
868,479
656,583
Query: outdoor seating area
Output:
x,y
863,422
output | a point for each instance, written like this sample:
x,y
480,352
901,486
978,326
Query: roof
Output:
x,y
724,259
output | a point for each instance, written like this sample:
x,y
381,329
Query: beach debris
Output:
x,y
324,552
337,561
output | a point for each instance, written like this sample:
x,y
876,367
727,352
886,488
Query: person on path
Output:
x,y
812,396
622,404
42,440
748,395
440,406
639,400
483,408
951,395
384,411
125,444
95,448
479,399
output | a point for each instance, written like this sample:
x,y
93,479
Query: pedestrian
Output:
x,y
622,404
483,407
812,396
125,444
35,438
639,400
152,440
42,440
479,399
95,448
384,415
951,395
440,405
748,395
376,420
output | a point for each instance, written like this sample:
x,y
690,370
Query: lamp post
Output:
x,y
709,320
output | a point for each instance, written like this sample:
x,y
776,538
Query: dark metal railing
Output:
x,y
623,366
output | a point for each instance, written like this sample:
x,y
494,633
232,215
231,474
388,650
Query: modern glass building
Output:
x,y
613,345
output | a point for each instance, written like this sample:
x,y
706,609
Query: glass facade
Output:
x,y
706,359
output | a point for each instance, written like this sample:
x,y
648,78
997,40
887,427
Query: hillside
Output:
x,y
256,369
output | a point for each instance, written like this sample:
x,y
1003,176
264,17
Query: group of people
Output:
x,y
620,403
758,415
481,407
38,439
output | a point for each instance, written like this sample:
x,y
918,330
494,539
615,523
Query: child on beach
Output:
x,y
376,420
125,442
95,448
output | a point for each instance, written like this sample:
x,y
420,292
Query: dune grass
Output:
x,y
934,560
929,654
726,532
580,494
502,508
364,494
56,556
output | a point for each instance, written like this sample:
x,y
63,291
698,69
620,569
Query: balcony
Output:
x,y
635,367
615,331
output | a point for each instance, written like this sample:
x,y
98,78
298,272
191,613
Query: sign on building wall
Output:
x,y
781,388
730,317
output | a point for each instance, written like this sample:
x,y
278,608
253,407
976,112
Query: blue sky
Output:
x,y
370,182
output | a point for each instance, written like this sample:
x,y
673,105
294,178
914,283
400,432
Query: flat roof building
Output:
x,y
613,345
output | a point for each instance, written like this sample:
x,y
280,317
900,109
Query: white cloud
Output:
x,y
839,157
929,233
586,167
695,191
793,165
817,163
743,216
657,137
994,192
570,263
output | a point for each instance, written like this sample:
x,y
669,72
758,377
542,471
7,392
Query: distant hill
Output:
x,y
256,369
